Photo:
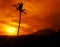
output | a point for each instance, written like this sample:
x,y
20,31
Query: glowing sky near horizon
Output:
x,y
40,14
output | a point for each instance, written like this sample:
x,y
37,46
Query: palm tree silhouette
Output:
x,y
19,7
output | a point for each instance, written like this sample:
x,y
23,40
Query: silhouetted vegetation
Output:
x,y
51,39
19,7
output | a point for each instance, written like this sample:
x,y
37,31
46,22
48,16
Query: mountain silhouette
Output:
x,y
46,31
42,37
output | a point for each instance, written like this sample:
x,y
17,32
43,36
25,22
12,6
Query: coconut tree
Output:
x,y
19,7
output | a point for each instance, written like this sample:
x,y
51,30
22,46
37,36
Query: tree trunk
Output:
x,y
19,25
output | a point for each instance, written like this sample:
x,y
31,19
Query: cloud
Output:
x,y
40,14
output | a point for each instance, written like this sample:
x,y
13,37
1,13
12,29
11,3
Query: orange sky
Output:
x,y
40,14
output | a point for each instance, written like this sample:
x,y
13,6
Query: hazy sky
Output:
x,y
40,14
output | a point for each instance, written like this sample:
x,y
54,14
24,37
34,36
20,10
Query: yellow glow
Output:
x,y
11,30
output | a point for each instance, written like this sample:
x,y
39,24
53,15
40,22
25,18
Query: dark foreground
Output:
x,y
51,39
30,41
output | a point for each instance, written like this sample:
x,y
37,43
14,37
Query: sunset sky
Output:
x,y
40,14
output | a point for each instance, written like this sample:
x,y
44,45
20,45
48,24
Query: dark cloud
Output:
x,y
54,21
